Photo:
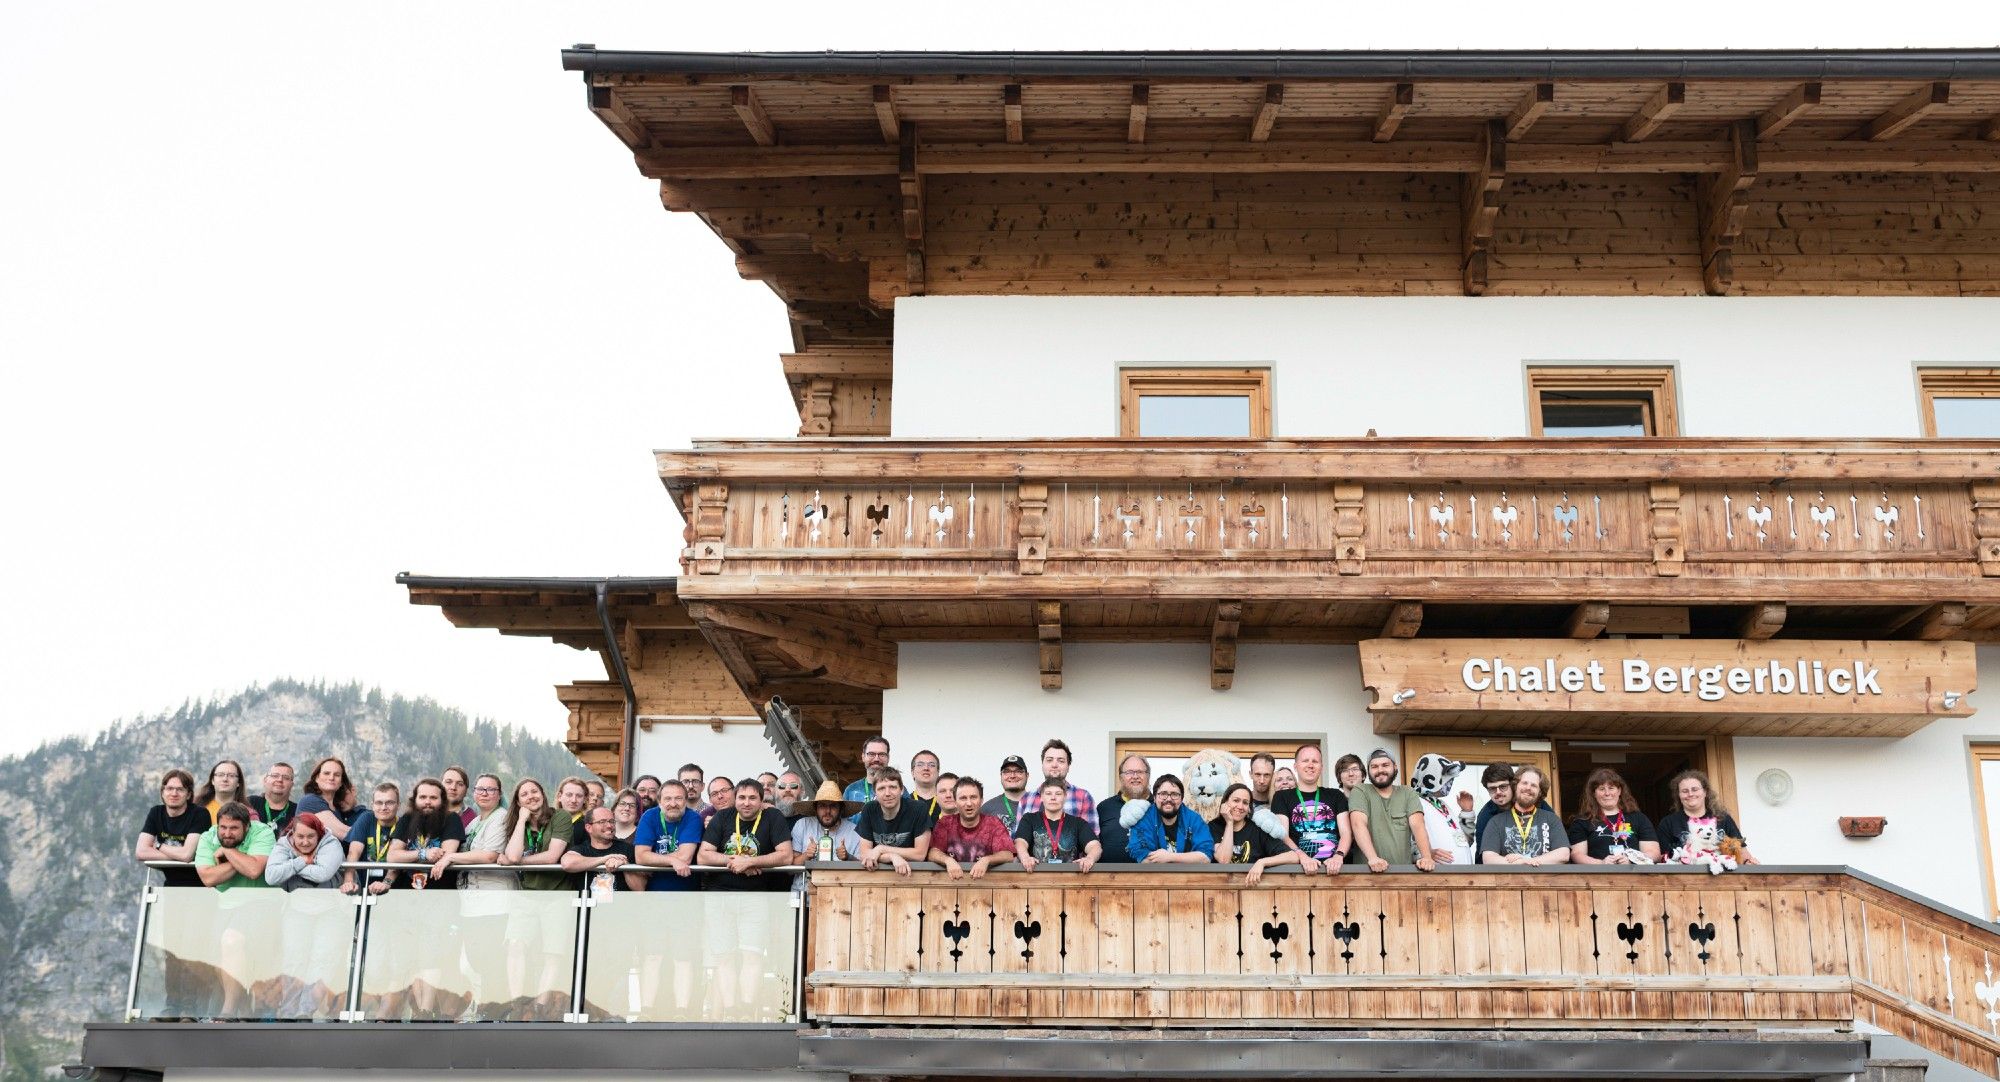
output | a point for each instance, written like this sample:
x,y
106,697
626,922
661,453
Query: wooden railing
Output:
x,y
1880,521
1571,948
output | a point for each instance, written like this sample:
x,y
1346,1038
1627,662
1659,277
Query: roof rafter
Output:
x,y
1533,104
1135,122
1393,111
1918,105
751,110
885,115
1267,113
1789,108
1658,109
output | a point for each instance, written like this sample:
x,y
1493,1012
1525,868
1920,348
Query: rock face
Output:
x,y
70,812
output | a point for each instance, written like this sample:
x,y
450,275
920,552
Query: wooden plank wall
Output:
x,y
1462,950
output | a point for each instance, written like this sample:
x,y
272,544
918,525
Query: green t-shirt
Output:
x,y
258,841
537,841
1388,819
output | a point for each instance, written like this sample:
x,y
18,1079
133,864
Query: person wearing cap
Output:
x,y
1388,818
968,839
1013,793
829,817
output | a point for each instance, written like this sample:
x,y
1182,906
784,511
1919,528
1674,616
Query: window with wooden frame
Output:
x,y
1169,754
1196,402
1986,810
1960,402
1577,400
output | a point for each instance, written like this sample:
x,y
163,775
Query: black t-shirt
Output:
x,y
1114,835
931,806
1315,818
910,820
1674,830
619,846
406,832
1250,845
1602,836
1072,835
278,818
173,830
758,836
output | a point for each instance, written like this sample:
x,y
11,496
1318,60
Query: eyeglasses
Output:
x,y
628,804
485,788
1131,773
1499,787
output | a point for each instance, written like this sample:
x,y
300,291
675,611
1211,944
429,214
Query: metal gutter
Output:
x,y
617,657
616,583
1800,64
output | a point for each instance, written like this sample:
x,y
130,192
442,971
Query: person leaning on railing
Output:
x,y
173,828
426,833
329,794
234,851
968,839
304,857
1240,839
1527,832
369,838
485,841
1164,831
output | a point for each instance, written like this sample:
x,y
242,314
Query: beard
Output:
x,y
785,805
429,824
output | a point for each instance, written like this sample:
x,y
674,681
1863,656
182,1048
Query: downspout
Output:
x,y
624,681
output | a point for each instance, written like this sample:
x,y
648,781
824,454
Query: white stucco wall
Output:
x,y
1431,366
977,703
738,751
1922,783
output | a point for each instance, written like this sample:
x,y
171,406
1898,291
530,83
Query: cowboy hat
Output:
x,y
829,793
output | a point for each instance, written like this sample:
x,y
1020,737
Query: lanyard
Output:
x,y
535,839
753,823
1053,828
1013,812
1520,828
1617,825
1315,796
375,848
268,816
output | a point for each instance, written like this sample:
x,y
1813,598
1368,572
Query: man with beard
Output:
x,y
1135,781
1013,793
824,819
874,759
787,792
1389,818
690,776
745,841
234,851
648,788
1527,832
601,856
427,831
969,840
1263,770
669,837
1320,829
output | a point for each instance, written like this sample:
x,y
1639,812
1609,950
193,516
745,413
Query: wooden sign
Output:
x,y
1774,688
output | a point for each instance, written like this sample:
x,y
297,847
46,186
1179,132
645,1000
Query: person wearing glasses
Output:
x,y
485,839
1135,783
1498,780
625,815
786,796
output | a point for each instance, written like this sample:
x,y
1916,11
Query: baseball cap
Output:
x,y
1013,762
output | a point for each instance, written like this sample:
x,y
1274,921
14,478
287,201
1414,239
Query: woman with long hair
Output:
x,y
329,794
457,782
1238,840
1609,828
546,930
1698,806
224,786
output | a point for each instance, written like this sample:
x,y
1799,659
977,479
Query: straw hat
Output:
x,y
829,793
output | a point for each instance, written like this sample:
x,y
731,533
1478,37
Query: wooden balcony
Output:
x,y
1634,950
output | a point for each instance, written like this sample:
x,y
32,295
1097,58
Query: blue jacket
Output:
x,y
1190,836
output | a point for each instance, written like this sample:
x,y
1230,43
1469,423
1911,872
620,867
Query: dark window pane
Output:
x,y
1967,417
1194,415
1594,413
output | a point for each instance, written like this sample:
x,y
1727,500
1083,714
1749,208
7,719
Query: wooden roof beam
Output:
x,y
1990,129
1405,618
616,115
1918,105
1393,111
1267,113
1048,632
1135,121
752,113
1587,621
1534,103
1764,620
1658,109
1010,98
1222,645
885,115
1945,620
1789,108
1722,202
1480,206
910,184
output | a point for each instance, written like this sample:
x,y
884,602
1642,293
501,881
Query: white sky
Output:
x,y
293,298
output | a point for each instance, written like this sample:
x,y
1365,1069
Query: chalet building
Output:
x,y
1568,409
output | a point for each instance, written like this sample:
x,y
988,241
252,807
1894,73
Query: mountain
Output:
x,y
70,812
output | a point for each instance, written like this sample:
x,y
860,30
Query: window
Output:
x,y
1986,791
1155,402
1574,401
1169,755
1960,402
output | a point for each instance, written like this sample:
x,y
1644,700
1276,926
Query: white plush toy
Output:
x,y
1208,775
1448,826
1706,845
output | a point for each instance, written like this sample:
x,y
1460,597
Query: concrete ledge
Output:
x,y
420,1046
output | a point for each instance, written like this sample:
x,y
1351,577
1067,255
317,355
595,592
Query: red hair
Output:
x,y
312,823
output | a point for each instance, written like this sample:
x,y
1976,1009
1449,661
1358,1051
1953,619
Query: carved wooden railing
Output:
x,y
1681,520
1566,948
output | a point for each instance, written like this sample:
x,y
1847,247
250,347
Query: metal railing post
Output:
x,y
584,904
365,902
800,906
146,896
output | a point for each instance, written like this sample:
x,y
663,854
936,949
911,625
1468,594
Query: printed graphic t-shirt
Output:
x,y
758,836
1628,832
965,846
1315,818
173,830
1544,833
1066,847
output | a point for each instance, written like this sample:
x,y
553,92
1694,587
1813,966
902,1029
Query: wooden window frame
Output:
x,y
1981,754
1255,383
1651,384
1938,382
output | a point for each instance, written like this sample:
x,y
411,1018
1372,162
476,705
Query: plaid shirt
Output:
x,y
1079,803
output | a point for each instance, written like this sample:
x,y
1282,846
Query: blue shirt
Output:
x,y
858,791
662,837
1150,834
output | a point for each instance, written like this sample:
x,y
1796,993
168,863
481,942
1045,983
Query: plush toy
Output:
x,y
1207,776
1706,845
1449,826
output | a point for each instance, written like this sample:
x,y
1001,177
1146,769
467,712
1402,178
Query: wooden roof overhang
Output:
x,y
845,548
847,180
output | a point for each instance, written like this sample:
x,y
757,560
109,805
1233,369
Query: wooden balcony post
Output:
x,y
1032,548
1349,550
1986,526
711,501
1668,551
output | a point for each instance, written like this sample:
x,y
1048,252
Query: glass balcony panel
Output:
x,y
246,953
714,956
469,956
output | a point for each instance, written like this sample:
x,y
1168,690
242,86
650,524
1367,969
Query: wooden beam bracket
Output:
x,y
1791,107
1393,111
1135,121
616,115
1032,547
1405,618
911,184
706,525
1918,105
1723,200
1480,204
1349,526
1588,620
1533,104
1222,645
1944,620
1764,620
886,118
1658,109
751,111
1267,113
1048,629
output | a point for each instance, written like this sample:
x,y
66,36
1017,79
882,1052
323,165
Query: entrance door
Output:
x,y
1648,767
1479,752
